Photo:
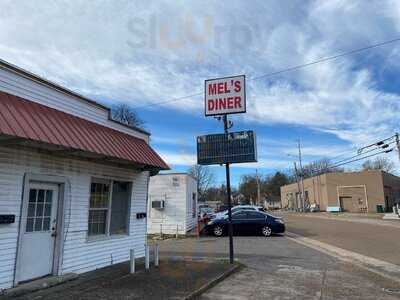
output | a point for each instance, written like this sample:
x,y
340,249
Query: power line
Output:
x,y
377,146
379,143
327,58
361,158
168,101
362,153
289,69
343,153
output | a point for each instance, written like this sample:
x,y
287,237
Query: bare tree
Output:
x,y
319,167
379,163
125,114
205,178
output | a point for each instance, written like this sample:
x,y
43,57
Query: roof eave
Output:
x,y
13,68
61,151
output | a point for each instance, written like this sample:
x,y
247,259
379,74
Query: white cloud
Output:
x,y
178,159
145,52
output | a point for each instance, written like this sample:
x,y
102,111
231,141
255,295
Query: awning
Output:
x,y
28,123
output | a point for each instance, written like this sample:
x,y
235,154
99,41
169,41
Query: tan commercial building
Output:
x,y
367,191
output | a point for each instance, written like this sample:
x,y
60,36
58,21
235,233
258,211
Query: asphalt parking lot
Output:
x,y
378,239
279,268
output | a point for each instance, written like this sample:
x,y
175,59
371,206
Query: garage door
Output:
x,y
352,199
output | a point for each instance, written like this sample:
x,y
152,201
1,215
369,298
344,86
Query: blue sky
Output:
x,y
145,52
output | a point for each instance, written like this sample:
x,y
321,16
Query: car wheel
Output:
x,y
218,231
266,231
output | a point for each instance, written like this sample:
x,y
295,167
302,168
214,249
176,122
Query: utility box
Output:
x,y
172,207
158,204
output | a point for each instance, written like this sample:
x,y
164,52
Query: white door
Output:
x,y
38,229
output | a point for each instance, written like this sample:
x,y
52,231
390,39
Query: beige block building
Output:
x,y
352,192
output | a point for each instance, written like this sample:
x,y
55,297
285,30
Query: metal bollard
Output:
x,y
177,229
156,255
147,257
132,262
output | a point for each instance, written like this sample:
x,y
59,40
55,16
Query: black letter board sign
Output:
x,y
7,219
234,147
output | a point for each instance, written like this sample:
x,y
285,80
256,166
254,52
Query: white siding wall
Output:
x,y
18,85
191,189
173,215
79,254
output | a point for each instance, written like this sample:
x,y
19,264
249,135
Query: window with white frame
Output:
x,y
109,207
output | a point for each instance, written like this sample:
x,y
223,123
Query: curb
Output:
x,y
44,284
194,295
372,221
208,259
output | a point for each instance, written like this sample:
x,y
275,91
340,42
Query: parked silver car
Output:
x,y
236,209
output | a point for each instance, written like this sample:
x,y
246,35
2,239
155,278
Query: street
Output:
x,y
279,268
369,239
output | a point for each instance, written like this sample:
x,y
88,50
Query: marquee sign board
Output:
x,y
233,147
225,95
7,219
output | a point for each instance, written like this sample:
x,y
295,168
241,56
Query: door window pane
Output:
x,y
38,224
47,210
46,224
39,206
29,224
40,198
39,209
49,196
31,209
32,195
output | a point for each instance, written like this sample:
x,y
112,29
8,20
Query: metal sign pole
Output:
x,y
228,191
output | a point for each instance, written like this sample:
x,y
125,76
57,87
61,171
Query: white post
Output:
x,y
147,257
156,255
132,264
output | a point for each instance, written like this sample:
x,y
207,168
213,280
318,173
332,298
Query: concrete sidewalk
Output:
x,y
373,219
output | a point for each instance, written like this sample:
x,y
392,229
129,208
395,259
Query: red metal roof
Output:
x,y
35,122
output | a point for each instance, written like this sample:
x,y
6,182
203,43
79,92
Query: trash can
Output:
x,y
380,208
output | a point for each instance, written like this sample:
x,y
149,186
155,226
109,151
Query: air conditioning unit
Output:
x,y
158,204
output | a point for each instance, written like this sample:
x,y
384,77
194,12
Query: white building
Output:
x,y
172,203
73,182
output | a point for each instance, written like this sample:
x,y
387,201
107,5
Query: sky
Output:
x,y
146,52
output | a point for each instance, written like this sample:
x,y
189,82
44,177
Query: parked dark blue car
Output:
x,y
247,222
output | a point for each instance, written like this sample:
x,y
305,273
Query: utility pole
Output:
x,y
301,176
258,188
298,183
228,192
398,143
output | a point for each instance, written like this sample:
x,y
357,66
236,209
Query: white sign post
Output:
x,y
225,96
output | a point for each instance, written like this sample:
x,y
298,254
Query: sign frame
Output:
x,y
231,161
231,113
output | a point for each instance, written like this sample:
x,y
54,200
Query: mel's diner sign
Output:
x,y
225,96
